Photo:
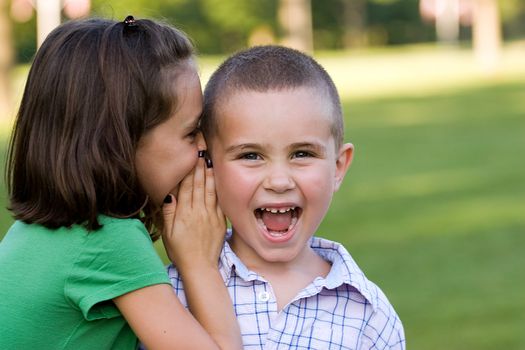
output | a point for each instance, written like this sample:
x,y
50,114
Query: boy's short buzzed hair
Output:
x,y
264,68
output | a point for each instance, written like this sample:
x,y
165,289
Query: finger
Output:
x,y
168,214
201,143
198,183
210,192
185,192
221,217
220,213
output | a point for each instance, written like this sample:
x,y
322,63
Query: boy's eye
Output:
x,y
302,154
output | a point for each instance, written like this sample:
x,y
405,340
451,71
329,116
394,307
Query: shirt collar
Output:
x,y
344,270
229,263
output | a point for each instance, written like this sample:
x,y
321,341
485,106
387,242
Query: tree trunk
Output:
x,y
6,61
447,21
354,21
486,34
295,18
47,18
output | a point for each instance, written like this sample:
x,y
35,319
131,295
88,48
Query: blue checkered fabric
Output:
x,y
344,310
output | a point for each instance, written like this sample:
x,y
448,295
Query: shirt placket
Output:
x,y
266,302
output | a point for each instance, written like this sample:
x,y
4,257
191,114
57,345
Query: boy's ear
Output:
x,y
344,159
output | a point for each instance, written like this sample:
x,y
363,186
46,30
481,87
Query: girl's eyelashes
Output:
x,y
193,133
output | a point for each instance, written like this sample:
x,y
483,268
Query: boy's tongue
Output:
x,y
278,221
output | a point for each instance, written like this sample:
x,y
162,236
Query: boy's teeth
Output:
x,y
275,211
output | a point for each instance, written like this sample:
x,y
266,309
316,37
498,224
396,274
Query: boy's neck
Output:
x,y
288,278
307,262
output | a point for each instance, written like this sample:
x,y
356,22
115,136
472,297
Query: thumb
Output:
x,y
168,214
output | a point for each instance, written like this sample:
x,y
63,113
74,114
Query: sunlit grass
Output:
x,y
433,210
418,70
412,69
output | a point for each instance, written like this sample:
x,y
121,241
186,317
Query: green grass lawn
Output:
x,y
433,207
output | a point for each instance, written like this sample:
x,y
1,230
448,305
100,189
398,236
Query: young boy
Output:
x,y
274,127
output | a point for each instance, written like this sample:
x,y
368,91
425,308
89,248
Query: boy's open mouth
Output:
x,y
277,221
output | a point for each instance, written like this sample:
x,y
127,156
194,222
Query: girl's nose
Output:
x,y
199,140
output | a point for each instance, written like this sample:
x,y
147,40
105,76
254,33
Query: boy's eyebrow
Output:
x,y
314,146
241,147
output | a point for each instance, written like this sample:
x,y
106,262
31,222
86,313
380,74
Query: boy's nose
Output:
x,y
278,180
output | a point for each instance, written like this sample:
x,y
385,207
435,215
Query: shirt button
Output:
x,y
264,296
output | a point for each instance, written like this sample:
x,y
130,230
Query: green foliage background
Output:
x,y
220,26
434,209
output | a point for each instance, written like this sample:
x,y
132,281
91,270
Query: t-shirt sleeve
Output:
x,y
115,260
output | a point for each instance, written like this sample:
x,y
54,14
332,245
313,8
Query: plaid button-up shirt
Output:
x,y
344,310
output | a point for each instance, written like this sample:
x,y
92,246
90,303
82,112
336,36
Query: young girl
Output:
x,y
107,132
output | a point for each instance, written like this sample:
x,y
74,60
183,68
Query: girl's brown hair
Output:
x,y
94,88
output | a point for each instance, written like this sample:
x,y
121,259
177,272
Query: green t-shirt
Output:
x,y
56,286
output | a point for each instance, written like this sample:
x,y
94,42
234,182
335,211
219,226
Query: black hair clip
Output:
x,y
130,22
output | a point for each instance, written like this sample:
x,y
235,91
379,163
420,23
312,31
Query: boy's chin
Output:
x,y
280,256
267,250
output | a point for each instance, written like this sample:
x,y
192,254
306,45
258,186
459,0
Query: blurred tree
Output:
x,y
295,18
47,18
447,21
232,23
76,8
328,24
119,9
216,26
354,23
396,22
486,33
224,26
24,38
49,14
6,60
513,18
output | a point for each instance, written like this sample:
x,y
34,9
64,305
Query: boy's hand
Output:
x,y
194,225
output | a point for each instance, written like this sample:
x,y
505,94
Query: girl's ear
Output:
x,y
344,159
